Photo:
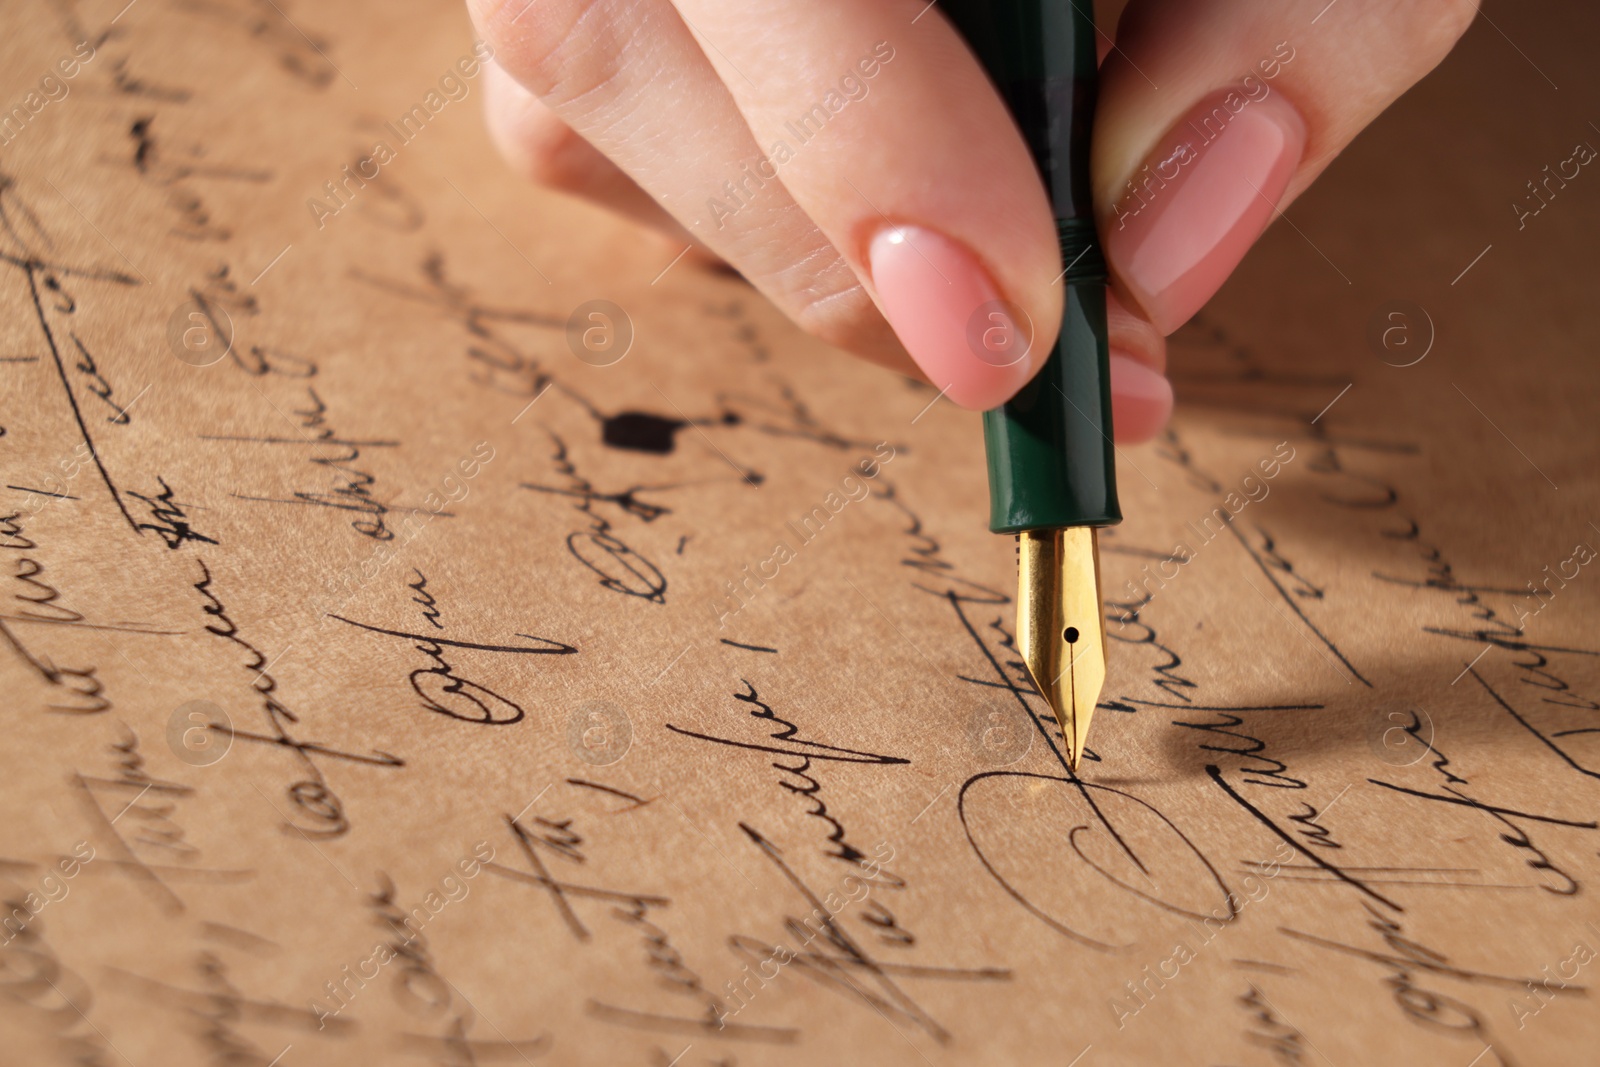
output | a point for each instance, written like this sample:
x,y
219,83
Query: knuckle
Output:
x,y
544,149
561,159
1443,22
828,302
561,50
496,20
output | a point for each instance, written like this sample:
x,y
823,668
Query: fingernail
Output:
x,y
970,342
1189,215
1141,399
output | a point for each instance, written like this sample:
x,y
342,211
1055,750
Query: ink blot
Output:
x,y
642,431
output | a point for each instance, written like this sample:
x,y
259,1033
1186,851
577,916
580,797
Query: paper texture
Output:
x,y
441,627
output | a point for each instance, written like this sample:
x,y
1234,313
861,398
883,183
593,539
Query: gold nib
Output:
x,y
1060,631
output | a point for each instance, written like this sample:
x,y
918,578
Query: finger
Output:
x,y
1214,115
547,151
1141,396
629,78
1132,335
893,140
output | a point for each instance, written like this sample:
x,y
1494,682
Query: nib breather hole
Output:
x,y
1071,635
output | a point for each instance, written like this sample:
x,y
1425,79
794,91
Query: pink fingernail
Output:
x,y
1141,399
947,311
1189,215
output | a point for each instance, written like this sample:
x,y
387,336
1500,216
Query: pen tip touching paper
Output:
x,y
1060,631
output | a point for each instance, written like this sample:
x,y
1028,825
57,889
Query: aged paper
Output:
x,y
440,626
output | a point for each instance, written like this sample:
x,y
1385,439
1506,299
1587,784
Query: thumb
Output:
x,y
1214,115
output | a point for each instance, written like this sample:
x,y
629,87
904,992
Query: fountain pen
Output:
x,y
1052,469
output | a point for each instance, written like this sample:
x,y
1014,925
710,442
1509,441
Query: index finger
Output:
x,y
886,131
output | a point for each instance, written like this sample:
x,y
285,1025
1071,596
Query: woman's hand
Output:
x,y
850,158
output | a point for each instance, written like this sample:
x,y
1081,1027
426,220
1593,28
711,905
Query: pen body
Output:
x,y
1051,459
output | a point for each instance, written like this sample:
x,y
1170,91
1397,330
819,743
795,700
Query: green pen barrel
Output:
x,y
1051,458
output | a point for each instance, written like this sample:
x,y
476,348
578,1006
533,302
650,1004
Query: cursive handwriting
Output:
x,y
440,688
621,568
311,796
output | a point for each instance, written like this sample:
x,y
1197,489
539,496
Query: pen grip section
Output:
x,y
1041,57
1051,458
1081,257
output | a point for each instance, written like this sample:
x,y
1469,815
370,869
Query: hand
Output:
x,y
850,158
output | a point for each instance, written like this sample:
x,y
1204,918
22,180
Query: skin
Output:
x,y
645,106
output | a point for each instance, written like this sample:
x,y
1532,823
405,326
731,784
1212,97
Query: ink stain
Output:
x,y
658,435
643,431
